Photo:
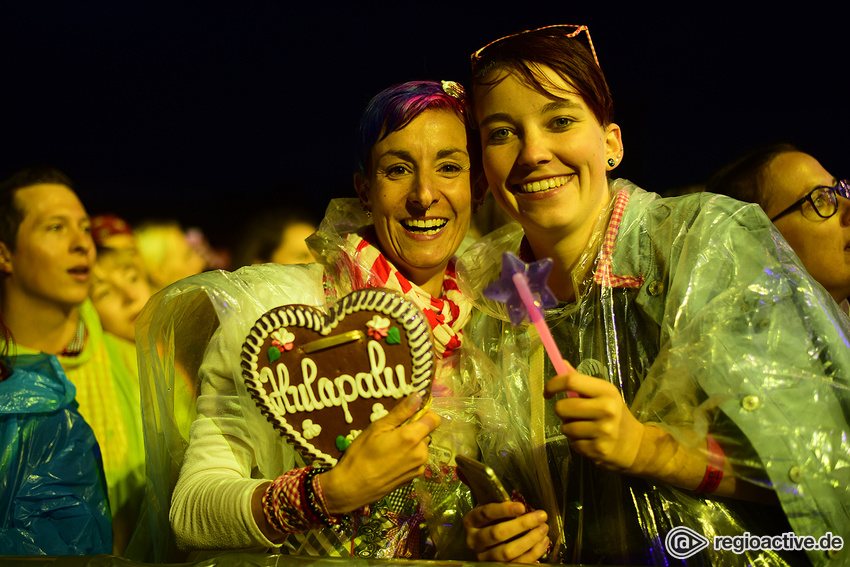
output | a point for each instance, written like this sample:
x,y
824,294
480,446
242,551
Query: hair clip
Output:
x,y
453,89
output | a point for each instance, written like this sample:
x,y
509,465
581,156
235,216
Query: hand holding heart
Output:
x,y
388,454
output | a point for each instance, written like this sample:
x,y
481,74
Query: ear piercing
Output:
x,y
613,161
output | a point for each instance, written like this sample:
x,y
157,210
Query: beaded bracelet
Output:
x,y
315,497
315,500
713,468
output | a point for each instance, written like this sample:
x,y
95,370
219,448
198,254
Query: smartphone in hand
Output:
x,y
485,485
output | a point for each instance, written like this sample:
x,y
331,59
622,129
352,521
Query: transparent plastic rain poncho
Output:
x,y
52,488
189,339
706,321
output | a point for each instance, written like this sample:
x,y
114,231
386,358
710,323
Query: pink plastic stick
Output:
x,y
536,316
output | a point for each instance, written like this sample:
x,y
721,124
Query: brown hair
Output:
x,y
10,216
569,57
744,178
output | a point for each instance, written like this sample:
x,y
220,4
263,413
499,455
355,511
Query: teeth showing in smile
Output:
x,y
544,185
424,226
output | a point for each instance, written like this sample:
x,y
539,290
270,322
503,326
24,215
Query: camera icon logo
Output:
x,y
683,542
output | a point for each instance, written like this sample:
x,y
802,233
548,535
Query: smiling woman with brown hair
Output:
x,y
711,383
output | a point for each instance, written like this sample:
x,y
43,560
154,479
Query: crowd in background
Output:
x,y
74,287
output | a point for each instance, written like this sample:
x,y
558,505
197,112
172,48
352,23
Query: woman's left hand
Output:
x,y
597,422
505,532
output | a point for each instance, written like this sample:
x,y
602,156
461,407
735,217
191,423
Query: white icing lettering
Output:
x,y
308,371
305,399
379,382
279,386
405,388
369,392
296,399
340,382
327,393
400,388
284,387
388,378
377,361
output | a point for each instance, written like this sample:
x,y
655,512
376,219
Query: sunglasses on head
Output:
x,y
569,31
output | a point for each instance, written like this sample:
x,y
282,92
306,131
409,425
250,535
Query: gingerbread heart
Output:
x,y
322,379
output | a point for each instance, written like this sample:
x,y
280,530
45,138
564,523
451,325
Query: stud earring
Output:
x,y
611,162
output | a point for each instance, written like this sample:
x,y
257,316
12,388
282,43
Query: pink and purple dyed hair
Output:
x,y
394,108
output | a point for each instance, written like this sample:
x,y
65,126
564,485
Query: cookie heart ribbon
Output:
x,y
322,379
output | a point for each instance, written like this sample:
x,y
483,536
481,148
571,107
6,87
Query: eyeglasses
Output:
x,y
823,199
576,31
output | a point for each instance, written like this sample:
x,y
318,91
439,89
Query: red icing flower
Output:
x,y
377,334
283,339
378,327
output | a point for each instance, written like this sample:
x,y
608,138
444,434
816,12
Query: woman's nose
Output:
x,y
423,192
534,150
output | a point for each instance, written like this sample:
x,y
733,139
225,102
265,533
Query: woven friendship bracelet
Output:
x,y
268,509
284,504
713,468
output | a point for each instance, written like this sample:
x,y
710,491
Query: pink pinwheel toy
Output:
x,y
522,288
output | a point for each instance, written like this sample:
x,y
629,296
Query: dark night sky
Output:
x,y
203,111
